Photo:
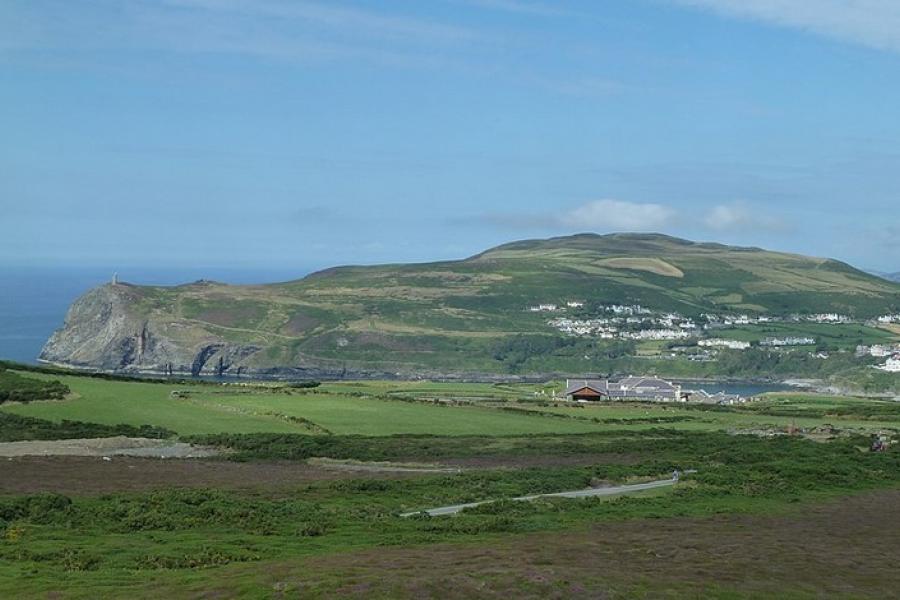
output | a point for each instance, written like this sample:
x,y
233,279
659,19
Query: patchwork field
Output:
x,y
380,408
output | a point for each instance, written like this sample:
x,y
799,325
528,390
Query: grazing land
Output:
x,y
307,496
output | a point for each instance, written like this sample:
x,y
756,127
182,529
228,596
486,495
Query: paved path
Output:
x,y
603,491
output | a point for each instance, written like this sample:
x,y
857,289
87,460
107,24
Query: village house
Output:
x,y
543,308
891,366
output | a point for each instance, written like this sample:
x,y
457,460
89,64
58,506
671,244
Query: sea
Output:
x,y
34,301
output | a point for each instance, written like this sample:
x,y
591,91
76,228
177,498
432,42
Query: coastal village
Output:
x,y
701,338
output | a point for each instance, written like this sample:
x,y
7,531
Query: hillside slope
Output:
x,y
439,318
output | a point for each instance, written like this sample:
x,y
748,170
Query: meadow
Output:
x,y
261,537
384,408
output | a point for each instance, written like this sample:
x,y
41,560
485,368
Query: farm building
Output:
x,y
630,388
587,389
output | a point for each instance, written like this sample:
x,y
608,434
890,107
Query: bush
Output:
x,y
15,388
15,428
304,385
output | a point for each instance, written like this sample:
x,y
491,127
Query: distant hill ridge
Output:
x,y
442,318
888,276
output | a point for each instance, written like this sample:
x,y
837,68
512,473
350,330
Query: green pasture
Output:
x,y
756,415
379,408
235,409
347,415
115,402
844,336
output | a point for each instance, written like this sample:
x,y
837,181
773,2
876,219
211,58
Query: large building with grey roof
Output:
x,y
629,388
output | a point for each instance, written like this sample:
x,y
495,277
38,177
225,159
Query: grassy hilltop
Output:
x,y
465,316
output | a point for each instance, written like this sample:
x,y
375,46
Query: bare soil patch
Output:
x,y
80,475
845,548
541,460
656,266
300,323
111,446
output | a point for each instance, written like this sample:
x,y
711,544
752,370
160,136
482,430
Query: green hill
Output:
x,y
445,317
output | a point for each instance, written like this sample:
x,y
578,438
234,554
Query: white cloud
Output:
x,y
742,217
598,215
873,23
619,215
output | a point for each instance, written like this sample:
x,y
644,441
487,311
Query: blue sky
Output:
x,y
278,133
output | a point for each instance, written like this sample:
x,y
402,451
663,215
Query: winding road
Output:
x,y
602,491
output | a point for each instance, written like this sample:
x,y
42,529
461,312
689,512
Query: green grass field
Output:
x,y
381,408
261,537
207,411
843,336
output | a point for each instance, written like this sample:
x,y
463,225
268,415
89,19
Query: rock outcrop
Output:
x,y
109,329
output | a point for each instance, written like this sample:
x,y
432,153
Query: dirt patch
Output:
x,y
380,467
111,446
541,460
79,475
657,266
234,316
300,323
841,549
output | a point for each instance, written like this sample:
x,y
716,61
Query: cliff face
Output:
x,y
106,329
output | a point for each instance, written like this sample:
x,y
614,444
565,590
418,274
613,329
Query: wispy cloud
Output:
x,y
873,23
274,29
618,214
609,215
597,215
741,217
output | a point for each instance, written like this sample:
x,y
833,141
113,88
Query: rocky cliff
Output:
x,y
107,329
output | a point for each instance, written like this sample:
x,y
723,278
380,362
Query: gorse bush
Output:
x,y
40,508
16,388
15,428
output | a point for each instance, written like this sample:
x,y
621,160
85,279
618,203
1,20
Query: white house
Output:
x,y
891,366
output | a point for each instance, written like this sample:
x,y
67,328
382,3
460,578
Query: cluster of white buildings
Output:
x,y
788,341
628,309
828,318
892,365
544,308
656,334
736,320
889,351
625,325
549,307
635,322
717,343
878,350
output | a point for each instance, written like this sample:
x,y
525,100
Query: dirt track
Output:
x,y
111,446
78,475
